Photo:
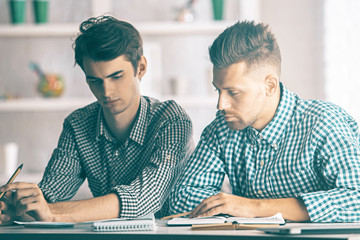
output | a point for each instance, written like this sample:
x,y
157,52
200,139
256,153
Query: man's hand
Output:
x,y
28,199
291,208
7,211
223,203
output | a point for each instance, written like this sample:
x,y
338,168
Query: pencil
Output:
x,y
232,226
12,178
176,215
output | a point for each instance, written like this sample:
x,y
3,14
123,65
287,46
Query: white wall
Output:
x,y
298,26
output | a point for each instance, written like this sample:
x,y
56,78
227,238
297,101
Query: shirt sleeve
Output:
x,y
338,162
151,188
63,175
203,175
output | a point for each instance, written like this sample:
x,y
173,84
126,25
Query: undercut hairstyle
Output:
x,y
105,38
246,42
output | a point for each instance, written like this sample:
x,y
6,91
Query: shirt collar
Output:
x,y
138,131
102,129
273,132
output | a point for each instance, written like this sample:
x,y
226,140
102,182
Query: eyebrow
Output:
x,y
227,88
111,75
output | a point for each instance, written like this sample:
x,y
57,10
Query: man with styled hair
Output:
x,y
129,147
280,152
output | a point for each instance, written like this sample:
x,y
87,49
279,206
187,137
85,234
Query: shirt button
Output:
x,y
260,192
262,163
168,157
260,137
116,153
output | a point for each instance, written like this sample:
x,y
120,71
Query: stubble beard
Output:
x,y
239,124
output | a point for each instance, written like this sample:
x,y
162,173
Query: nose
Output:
x,y
223,102
107,88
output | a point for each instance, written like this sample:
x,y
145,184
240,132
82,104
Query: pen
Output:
x,y
12,178
176,215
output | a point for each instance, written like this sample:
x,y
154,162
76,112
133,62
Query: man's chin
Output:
x,y
112,110
236,126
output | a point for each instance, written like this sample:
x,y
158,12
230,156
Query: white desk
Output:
x,y
83,231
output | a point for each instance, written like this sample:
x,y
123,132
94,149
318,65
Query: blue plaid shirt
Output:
x,y
310,150
142,171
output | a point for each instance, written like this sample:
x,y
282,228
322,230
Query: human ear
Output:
x,y
271,84
142,65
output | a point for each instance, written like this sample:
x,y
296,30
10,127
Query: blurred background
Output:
x,y
318,40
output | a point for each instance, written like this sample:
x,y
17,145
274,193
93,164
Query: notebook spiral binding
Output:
x,y
114,227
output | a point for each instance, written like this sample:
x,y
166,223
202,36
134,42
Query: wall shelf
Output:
x,y
145,28
69,104
43,105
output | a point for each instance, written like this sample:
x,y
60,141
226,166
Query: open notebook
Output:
x,y
185,221
146,223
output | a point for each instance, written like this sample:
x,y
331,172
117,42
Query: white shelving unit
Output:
x,y
70,30
145,28
43,105
68,104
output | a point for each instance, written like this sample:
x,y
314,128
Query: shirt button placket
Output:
x,y
262,163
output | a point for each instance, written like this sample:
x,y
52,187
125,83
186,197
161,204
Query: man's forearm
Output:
x,y
291,208
104,207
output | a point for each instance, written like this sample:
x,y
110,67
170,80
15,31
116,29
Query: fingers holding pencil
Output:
x,y
12,178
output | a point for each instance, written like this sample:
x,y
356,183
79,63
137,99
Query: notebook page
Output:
x,y
185,221
276,219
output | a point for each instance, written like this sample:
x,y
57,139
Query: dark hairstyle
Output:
x,y
246,42
105,38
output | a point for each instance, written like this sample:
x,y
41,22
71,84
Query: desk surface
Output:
x,y
162,232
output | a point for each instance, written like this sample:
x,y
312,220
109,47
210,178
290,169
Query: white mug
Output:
x,y
9,158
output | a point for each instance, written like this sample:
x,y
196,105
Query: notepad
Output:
x,y
146,223
185,221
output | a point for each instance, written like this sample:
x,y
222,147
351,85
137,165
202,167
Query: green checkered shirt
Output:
x,y
141,171
310,150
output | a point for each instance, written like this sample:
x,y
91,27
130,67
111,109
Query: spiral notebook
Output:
x,y
146,223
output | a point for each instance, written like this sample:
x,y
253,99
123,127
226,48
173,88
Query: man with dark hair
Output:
x,y
129,147
280,153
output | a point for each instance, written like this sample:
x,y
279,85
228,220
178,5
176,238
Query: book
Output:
x,y
185,221
146,223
